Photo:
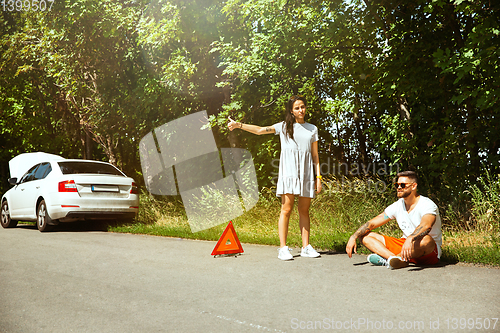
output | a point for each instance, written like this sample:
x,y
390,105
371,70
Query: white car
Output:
x,y
50,189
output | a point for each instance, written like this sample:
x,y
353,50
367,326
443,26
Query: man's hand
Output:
x,y
351,246
364,230
418,234
407,249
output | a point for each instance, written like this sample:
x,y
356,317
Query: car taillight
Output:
x,y
134,189
67,186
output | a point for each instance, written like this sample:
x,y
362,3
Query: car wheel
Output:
x,y
42,218
6,221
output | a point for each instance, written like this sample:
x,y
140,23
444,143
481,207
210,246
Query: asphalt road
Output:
x,y
92,281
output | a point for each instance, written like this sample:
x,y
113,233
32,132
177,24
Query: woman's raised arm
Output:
x,y
250,128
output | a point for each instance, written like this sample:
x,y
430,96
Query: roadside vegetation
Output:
x,y
390,84
336,213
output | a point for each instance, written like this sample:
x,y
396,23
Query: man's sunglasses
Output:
x,y
402,185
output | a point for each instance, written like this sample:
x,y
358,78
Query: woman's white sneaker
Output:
x,y
284,253
309,252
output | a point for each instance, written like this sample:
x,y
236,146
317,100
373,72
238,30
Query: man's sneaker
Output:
x,y
309,252
396,262
284,253
376,260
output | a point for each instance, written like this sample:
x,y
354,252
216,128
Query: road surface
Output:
x,y
92,281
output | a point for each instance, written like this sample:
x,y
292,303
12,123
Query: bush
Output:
x,y
342,206
486,203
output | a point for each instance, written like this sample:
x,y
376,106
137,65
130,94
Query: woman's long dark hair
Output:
x,y
289,118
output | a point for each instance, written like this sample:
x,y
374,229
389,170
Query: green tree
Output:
x,y
431,118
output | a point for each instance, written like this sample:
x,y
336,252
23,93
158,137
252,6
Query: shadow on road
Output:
x,y
414,268
79,226
330,253
438,265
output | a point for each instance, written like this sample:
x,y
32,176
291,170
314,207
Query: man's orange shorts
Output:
x,y
396,244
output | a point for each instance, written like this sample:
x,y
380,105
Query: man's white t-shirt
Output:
x,y
409,221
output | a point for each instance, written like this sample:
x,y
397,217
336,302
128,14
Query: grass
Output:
x,y
335,214
471,247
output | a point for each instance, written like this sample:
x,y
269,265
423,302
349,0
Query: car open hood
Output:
x,y
23,162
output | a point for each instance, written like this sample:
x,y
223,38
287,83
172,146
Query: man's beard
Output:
x,y
403,194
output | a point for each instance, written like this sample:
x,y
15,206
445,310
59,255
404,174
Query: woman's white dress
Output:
x,y
296,169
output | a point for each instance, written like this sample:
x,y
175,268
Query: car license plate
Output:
x,y
105,188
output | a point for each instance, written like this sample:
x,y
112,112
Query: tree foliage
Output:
x,y
414,84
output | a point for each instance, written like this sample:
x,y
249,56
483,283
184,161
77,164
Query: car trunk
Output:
x,y
94,186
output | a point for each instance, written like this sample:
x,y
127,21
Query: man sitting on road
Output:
x,y
418,218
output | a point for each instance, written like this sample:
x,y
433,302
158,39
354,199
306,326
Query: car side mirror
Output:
x,y
13,181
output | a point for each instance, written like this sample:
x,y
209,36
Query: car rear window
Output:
x,y
68,168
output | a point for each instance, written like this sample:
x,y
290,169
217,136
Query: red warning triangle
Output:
x,y
228,243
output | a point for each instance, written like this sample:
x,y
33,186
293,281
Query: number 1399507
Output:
x,y
471,323
26,5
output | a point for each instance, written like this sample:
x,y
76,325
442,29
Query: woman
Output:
x,y
298,162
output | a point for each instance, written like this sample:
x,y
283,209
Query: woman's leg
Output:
x,y
304,221
287,201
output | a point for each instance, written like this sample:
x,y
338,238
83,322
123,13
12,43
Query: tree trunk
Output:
x,y
234,141
360,135
88,146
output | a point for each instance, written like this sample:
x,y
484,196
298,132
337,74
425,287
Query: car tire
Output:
x,y
43,219
6,221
